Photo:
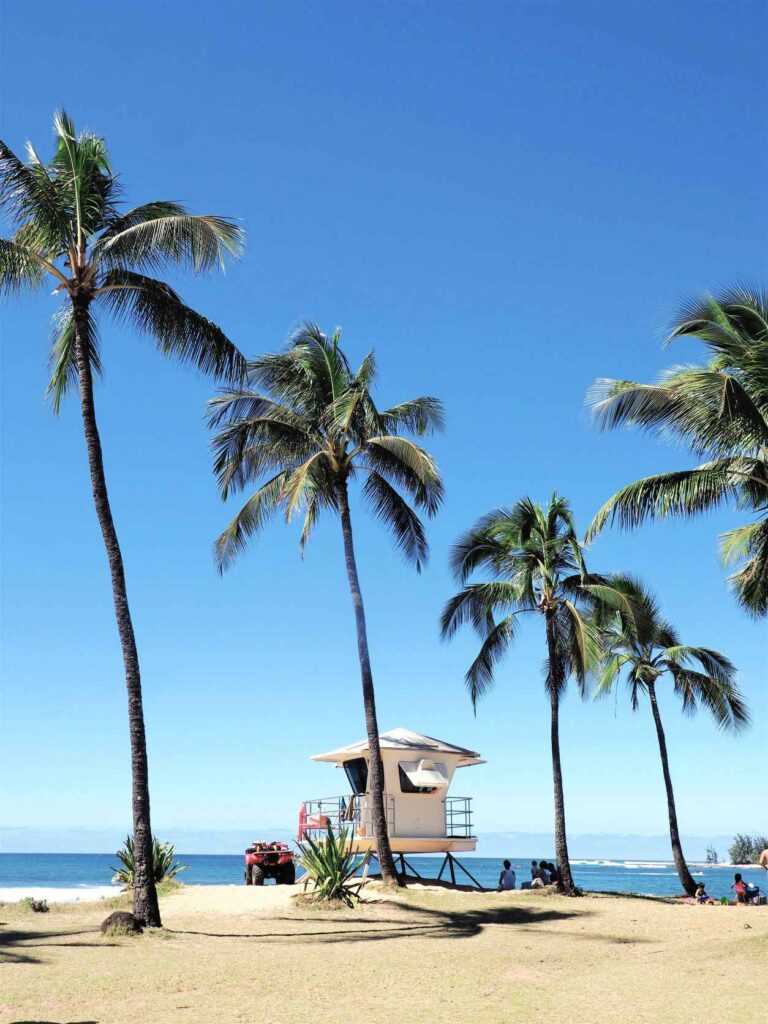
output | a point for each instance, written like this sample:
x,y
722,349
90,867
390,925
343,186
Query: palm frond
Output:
x,y
410,465
301,483
166,234
249,520
476,602
583,645
750,581
479,677
21,267
394,512
723,700
684,493
608,674
486,544
419,415
31,197
62,356
154,308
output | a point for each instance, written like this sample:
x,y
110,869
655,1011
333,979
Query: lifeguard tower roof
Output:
x,y
403,739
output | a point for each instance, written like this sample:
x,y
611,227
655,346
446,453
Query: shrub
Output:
x,y
165,865
331,865
39,906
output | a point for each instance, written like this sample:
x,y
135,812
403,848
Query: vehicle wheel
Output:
x,y
257,875
288,874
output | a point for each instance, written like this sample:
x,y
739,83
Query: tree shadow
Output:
x,y
413,921
23,940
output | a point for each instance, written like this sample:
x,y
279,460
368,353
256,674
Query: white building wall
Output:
x,y
417,814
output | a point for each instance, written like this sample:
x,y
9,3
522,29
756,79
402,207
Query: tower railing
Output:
x,y
458,817
352,812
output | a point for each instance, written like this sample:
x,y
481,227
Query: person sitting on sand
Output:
x,y
534,869
554,874
740,888
541,878
507,878
701,894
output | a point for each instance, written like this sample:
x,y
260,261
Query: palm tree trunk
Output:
x,y
684,874
554,685
375,766
145,905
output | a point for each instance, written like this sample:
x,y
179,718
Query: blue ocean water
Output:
x,y
657,878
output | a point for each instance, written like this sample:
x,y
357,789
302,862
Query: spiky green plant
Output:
x,y
67,229
332,866
164,863
720,411
645,650
537,566
309,424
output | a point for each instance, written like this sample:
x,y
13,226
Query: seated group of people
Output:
x,y
543,873
745,892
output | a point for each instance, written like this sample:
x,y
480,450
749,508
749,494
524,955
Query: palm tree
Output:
x,y
643,648
720,410
309,425
537,566
67,227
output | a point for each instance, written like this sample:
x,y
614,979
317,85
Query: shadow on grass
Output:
x,y
414,921
673,901
11,941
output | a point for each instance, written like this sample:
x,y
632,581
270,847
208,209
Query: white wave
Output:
x,y
72,894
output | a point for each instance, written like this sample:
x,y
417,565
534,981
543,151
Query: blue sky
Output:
x,y
505,201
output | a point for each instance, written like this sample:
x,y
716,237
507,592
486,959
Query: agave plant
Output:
x,y
164,863
331,865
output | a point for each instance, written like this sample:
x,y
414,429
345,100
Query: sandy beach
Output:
x,y
231,954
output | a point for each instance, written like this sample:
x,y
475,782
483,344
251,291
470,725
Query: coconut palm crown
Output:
x,y
720,410
303,428
643,649
67,227
536,565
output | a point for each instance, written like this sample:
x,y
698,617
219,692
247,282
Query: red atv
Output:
x,y
269,860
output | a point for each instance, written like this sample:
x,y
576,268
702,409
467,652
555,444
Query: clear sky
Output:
x,y
505,201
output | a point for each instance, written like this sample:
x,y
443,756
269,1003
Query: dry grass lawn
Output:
x,y
230,954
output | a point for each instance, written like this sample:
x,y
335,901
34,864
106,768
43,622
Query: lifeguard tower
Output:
x,y
421,817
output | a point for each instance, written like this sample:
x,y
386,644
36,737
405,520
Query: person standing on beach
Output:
x,y
507,878
762,860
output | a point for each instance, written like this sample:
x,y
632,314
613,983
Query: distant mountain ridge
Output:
x,y
586,846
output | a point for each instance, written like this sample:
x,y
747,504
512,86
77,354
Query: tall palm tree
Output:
x,y
309,425
720,410
537,566
67,227
643,649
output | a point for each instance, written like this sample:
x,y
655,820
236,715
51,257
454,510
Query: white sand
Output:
x,y
80,894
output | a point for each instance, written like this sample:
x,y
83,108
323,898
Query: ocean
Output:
x,y
93,871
